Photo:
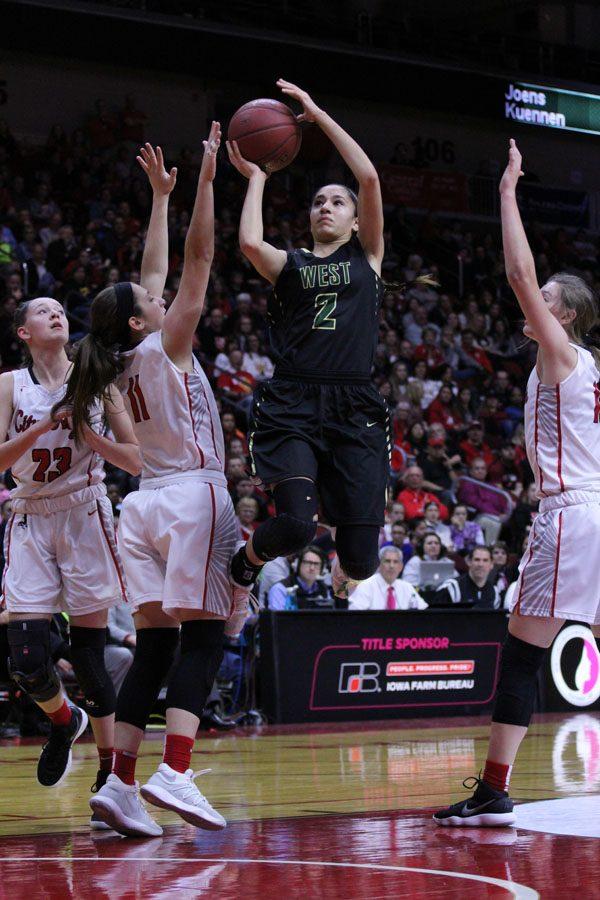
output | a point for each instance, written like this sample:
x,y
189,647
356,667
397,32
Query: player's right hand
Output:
x,y
151,161
244,166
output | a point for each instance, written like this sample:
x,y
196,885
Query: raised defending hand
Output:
x,y
211,146
513,171
151,161
244,166
311,110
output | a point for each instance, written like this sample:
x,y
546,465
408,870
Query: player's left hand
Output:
x,y
152,162
513,171
62,414
311,110
211,146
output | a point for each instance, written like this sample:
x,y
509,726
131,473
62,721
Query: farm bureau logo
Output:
x,y
359,678
587,672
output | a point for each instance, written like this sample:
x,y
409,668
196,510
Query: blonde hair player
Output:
x,y
562,427
178,532
320,425
60,547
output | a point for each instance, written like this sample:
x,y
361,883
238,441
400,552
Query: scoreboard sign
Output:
x,y
550,107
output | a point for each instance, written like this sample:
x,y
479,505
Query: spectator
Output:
x,y
503,572
440,469
429,549
465,535
474,587
305,587
491,505
385,589
399,538
255,361
431,514
414,498
237,384
247,513
474,445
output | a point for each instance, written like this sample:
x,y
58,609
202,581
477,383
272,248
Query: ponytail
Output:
x,y
402,286
97,362
95,368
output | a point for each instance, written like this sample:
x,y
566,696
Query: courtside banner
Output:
x,y
332,666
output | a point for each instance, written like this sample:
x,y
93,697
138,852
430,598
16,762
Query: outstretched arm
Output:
x,y
155,261
266,259
184,312
370,205
556,358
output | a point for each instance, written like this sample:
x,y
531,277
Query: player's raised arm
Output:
x,y
155,261
370,205
557,356
266,259
184,313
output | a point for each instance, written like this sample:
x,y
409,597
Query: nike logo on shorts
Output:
x,y
91,512
370,424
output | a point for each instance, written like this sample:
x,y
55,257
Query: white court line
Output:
x,y
518,891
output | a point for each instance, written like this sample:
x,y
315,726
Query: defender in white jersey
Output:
x,y
177,534
562,426
60,547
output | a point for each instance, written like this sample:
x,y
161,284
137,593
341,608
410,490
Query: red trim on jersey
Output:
x,y
189,399
7,559
112,552
212,430
559,439
535,438
531,542
556,561
210,542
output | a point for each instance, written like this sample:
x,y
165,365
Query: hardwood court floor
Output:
x,y
321,811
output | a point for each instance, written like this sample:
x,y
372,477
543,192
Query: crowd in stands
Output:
x,y
451,360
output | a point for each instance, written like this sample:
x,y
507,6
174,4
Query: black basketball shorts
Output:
x,y
339,435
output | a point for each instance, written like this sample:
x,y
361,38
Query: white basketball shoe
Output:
x,y
177,791
120,806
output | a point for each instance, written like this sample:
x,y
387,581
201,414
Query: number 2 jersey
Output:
x,y
55,465
562,429
323,315
174,415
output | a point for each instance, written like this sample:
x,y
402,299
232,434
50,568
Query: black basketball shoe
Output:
x,y
486,808
56,756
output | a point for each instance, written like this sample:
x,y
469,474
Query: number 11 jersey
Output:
x,y
174,414
323,315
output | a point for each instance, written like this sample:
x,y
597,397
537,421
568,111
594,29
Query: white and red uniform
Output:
x,y
178,532
562,430
59,545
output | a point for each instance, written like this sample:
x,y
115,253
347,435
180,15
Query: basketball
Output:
x,y
267,133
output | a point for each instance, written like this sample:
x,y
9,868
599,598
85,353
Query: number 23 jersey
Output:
x,y
323,314
55,465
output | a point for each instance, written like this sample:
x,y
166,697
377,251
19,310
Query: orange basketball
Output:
x,y
267,133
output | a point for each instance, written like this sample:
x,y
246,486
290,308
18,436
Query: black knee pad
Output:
x,y
201,655
357,547
515,695
293,527
153,657
30,664
87,659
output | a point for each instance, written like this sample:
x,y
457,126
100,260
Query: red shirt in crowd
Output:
x,y
433,356
443,412
470,451
414,503
242,383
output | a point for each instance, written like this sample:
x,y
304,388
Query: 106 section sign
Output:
x,y
329,666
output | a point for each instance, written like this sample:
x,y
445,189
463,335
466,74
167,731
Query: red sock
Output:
x,y
61,716
178,751
105,755
497,775
124,766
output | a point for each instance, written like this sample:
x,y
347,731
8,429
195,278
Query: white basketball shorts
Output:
x,y
62,560
176,541
557,573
